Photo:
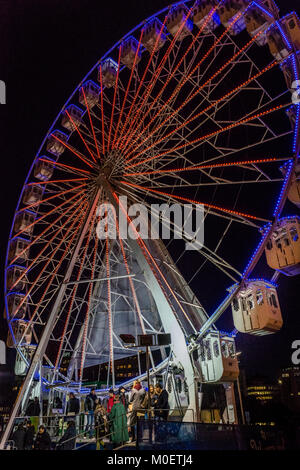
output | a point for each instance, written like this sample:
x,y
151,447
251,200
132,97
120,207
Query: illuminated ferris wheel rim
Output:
x,y
106,56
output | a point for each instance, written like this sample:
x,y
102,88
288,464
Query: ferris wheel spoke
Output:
x,y
171,75
245,163
102,108
69,244
67,168
86,320
127,89
114,100
74,293
187,77
78,131
73,151
151,85
211,255
61,193
50,257
203,111
55,209
92,128
41,183
80,211
181,198
141,82
199,89
49,226
212,134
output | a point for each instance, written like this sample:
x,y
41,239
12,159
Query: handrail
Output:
x,y
93,428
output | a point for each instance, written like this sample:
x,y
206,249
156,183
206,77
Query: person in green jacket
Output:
x,y
118,422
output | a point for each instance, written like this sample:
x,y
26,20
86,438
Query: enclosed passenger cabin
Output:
x,y
294,191
279,41
22,333
201,12
154,35
178,19
13,275
256,309
24,222
258,17
72,117
18,250
55,144
109,71
44,170
291,25
33,194
131,53
21,365
291,70
283,247
216,358
17,305
89,93
228,12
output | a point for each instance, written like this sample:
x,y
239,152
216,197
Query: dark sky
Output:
x,y
47,46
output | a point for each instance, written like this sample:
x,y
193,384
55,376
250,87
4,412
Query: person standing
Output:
x,y
123,397
18,437
29,436
100,424
110,401
33,410
89,407
42,440
73,408
136,399
68,440
161,405
118,423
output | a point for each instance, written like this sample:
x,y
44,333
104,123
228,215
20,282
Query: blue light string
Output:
x,y
286,179
284,35
257,249
267,12
296,131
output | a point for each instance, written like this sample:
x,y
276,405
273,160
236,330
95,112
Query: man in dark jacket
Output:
x,y
161,405
29,436
18,437
42,440
89,408
33,408
68,440
73,405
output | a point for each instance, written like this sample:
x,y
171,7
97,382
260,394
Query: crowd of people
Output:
x,y
117,416
114,417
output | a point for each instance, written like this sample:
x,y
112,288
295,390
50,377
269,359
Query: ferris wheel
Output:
x,y
193,108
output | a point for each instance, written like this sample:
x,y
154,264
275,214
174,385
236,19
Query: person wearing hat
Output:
x,y
118,423
110,401
123,397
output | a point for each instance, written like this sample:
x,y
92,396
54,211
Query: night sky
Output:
x,y
46,48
